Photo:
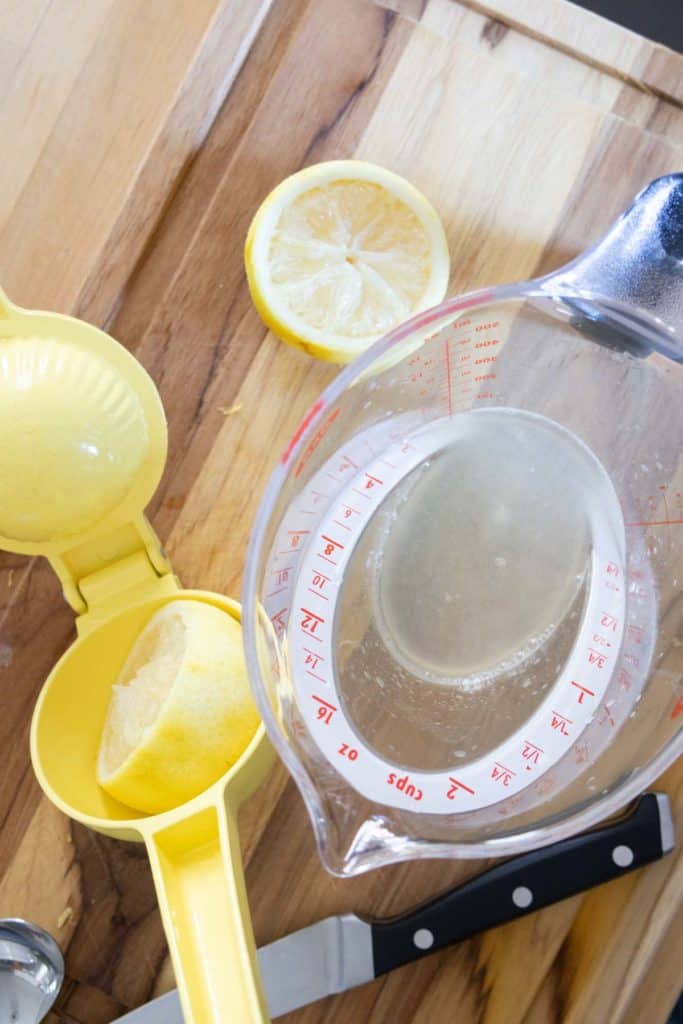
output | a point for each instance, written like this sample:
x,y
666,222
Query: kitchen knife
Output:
x,y
338,953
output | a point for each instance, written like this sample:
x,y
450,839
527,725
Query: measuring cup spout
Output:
x,y
639,263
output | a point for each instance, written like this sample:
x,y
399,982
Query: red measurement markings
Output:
x,y
312,658
282,574
348,752
502,774
560,723
667,514
330,547
597,657
372,481
318,583
315,440
344,526
606,717
295,537
601,641
609,621
635,634
583,691
485,359
346,463
677,708
612,569
301,429
448,377
624,679
657,522
405,786
545,785
580,752
361,494
455,785
325,710
299,727
278,621
274,593
487,344
532,754
487,327
310,622
632,659
349,511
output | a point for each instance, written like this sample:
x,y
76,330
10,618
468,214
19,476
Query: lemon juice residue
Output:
x,y
465,594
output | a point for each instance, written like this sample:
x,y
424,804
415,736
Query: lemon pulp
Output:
x,y
180,713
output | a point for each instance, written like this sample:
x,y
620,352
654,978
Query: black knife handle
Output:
x,y
526,883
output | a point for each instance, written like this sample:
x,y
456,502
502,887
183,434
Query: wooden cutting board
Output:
x,y
140,135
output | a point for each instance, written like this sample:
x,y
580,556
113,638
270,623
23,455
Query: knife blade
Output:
x,y
341,952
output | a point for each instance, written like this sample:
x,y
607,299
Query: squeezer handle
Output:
x,y
197,869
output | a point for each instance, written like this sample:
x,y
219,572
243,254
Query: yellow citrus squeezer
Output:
x,y
85,448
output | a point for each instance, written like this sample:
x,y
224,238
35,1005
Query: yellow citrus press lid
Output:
x,y
83,449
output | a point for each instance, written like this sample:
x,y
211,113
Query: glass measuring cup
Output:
x,y
463,599
87,449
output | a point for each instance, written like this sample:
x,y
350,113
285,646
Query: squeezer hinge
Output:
x,y
113,572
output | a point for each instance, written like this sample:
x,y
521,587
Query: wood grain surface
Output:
x,y
139,138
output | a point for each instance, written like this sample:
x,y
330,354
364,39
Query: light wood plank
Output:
x,y
603,43
142,101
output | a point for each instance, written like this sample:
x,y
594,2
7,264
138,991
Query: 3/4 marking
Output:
x,y
502,774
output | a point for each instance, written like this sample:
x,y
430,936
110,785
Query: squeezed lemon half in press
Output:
x,y
181,711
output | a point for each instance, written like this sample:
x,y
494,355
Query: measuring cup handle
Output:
x,y
638,262
197,868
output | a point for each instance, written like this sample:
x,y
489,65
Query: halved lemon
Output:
x,y
342,252
181,711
